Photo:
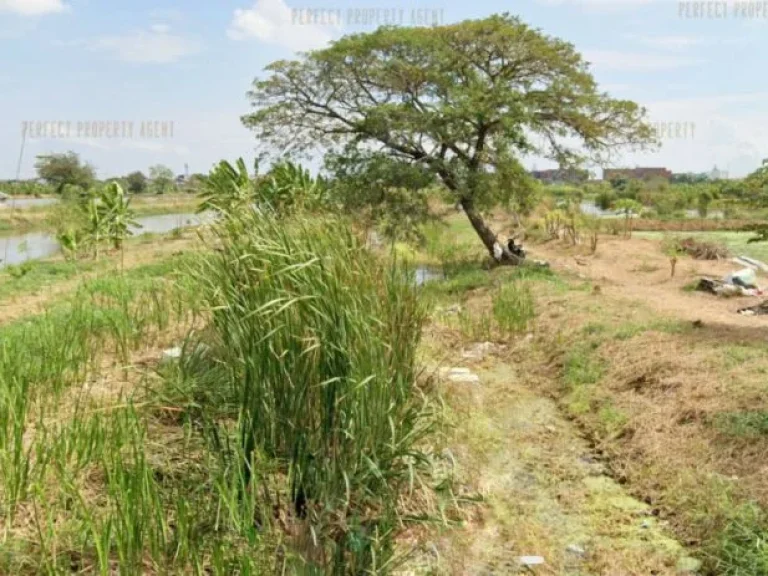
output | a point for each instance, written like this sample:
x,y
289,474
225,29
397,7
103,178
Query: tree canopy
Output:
x,y
161,177
136,182
466,102
60,170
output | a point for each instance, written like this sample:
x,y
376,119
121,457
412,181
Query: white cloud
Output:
x,y
32,7
160,28
636,61
273,22
684,42
157,45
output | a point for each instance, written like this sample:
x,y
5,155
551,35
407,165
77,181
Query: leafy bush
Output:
x,y
605,199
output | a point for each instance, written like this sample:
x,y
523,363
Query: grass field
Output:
x,y
292,434
304,424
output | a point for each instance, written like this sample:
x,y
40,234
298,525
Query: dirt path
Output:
x,y
545,494
637,270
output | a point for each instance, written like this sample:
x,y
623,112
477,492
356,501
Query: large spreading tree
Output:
x,y
464,102
62,170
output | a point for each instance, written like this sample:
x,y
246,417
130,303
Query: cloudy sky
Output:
x,y
698,67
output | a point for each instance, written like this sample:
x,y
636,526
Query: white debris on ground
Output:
x,y
748,262
461,375
576,549
531,560
498,252
171,354
454,309
480,350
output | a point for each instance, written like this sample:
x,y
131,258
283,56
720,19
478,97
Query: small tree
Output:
x,y
593,225
630,209
704,199
673,250
115,208
136,182
96,226
161,177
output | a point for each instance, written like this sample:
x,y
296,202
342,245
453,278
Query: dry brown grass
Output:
x,y
542,484
667,381
702,250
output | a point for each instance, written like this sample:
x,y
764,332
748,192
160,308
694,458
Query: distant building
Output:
x,y
561,176
718,174
636,173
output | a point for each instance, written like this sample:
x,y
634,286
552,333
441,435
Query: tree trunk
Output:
x,y
486,235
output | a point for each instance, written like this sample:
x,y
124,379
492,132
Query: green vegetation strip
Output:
x,y
286,437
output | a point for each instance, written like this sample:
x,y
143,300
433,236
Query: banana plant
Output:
x,y
71,241
291,188
115,210
96,225
227,188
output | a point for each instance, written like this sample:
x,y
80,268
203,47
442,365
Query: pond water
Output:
x,y
18,249
426,274
590,209
16,203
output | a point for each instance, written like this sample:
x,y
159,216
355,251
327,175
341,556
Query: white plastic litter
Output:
x,y
531,560
746,278
498,252
755,263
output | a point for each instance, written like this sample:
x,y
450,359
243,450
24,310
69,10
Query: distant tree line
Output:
x,y
66,173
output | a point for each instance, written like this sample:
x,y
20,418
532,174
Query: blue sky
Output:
x,y
191,62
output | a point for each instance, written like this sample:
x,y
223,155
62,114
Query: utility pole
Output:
x,y
13,196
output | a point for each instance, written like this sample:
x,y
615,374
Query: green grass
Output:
x,y
299,402
741,424
34,276
307,376
629,330
581,367
53,441
513,307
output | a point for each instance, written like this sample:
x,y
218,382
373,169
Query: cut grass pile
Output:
x,y
736,242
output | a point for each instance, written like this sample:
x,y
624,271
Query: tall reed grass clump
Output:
x,y
513,307
312,344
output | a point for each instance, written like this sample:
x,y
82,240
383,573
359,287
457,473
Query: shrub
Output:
x,y
313,343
